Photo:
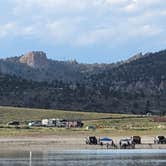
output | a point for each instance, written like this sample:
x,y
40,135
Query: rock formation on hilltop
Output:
x,y
35,59
135,57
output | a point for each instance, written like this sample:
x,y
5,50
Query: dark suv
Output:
x,y
136,139
92,140
15,123
160,140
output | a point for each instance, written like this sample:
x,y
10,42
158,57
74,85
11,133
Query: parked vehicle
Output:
x,y
91,140
105,141
80,124
136,139
160,140
15,123
91,127
35,123
74,123
49,122
61,123
126,143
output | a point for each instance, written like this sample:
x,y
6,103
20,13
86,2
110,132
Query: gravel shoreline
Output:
x,y
46,143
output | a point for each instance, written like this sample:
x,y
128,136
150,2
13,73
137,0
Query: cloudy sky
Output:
x,y
86,30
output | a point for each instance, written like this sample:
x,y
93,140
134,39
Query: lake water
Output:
x,y
85,158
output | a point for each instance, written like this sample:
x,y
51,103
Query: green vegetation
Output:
x,y
106,124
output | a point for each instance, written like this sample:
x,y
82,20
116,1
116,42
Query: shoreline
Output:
x,y
53,143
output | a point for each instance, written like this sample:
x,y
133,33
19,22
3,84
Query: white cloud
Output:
x,y
55,6
121,34
95,36
144,31
13,29
82,22
51,5
115,2
150,30
142,5
73,6
60,31
6,29
132,7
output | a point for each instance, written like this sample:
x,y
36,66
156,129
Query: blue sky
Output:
x,y
89,31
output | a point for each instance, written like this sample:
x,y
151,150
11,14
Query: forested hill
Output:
x,y
146,73
134,86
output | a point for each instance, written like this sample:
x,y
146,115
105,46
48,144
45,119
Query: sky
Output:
x,y
89,31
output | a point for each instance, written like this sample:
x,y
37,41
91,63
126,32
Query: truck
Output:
x,y
160,140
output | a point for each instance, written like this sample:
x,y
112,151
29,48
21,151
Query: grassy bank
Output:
x,y
24,114
106,124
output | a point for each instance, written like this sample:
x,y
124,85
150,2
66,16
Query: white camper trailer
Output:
x,y
49,122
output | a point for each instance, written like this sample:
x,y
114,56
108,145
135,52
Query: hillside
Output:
x,y
141,83
36,66
137,85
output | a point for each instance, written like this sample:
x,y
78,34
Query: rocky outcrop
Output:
x,y
134,58
35,59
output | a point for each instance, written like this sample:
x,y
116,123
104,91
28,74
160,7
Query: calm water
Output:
x,y
85,158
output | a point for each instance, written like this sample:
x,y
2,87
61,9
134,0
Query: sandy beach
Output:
x,y
55,142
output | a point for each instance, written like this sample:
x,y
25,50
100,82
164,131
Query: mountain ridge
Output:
x,y
36,66
137,86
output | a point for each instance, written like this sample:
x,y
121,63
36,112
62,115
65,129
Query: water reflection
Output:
x,y
85,158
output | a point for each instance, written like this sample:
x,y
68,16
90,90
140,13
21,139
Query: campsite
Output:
x,y
30,134
98,124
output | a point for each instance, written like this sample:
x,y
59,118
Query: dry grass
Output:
x,y
107,124
24,114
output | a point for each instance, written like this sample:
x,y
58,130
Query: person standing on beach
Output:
x,y
107,145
